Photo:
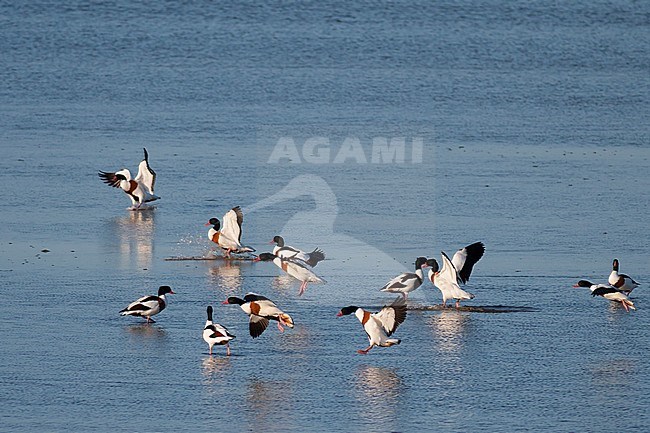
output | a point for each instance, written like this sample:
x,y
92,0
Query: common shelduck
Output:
x,y
609,292
229,237
407,282
148,306
622,282
455,272
260,310
294,267
287,252
381,325
140,189
213,333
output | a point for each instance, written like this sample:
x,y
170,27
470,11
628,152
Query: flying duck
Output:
x,y
407,282
608,292
229,237
140,189
148,306
213,333
286,252
294,267
622,282
260,310
379,326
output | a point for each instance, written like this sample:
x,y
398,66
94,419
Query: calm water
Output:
x,y
534,124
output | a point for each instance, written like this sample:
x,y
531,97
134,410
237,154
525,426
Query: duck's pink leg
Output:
x,y
280,327
364,351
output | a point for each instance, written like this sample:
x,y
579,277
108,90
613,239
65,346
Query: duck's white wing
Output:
x,y
232,222
146,176
261,306
301,270
465,259
448,271
391,316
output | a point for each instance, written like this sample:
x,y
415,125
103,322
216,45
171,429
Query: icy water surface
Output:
x,y
534,132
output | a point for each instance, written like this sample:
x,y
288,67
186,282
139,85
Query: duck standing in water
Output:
x,y
622,282
407,282
148,306
215,334
455,272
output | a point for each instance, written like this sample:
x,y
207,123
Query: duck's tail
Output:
x,y
392,342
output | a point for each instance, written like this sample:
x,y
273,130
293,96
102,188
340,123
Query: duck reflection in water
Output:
x,y
283,283
212,366
610,373
449,328
378,392
263,410
226,275
146,330
215,372
135,233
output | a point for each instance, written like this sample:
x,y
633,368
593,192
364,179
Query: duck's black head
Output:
x,y
278,240
419,262
214,222
433,264
120,176
615,265
210,312
347,310
234,300
163,290
265,257
583,283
